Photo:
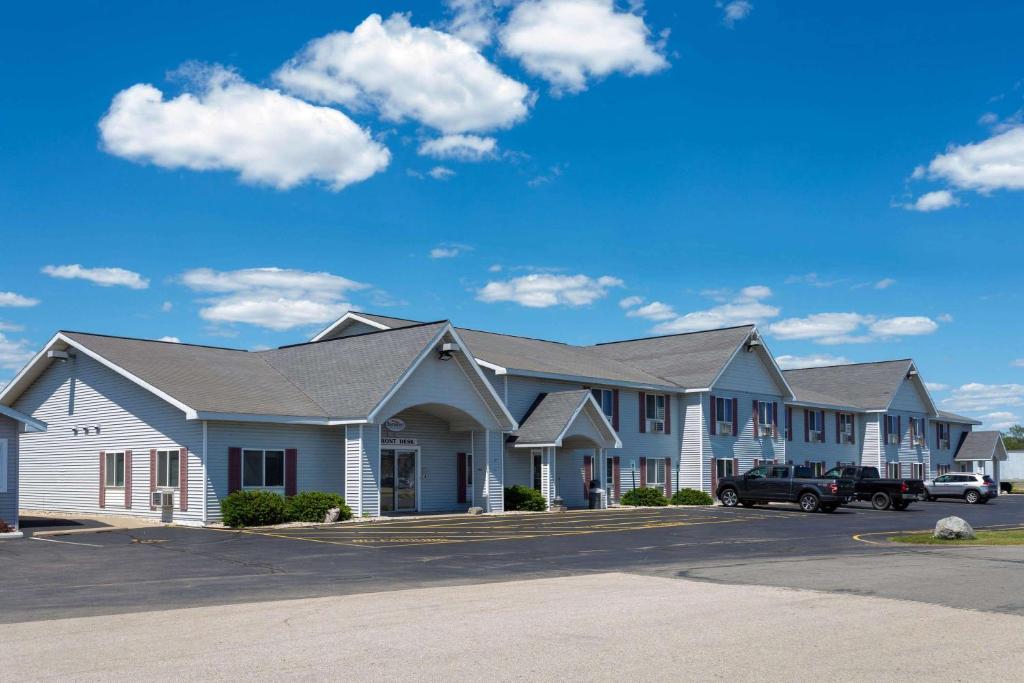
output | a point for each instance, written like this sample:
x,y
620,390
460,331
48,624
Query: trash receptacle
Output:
x,y
596,495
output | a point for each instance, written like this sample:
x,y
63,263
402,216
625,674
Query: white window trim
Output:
x,y
284,467
600,400
654,422
659,464
889,466
165,487
106,470
723,427
729,463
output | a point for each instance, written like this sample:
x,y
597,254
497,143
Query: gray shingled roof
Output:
x,y
550,417
981,446
692,360
537,355
864,386
953,417
341,378
349,376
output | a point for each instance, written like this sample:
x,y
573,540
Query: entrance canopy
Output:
x,y
978,446
567,418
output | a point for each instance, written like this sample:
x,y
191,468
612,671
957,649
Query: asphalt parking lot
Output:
x,y
125,570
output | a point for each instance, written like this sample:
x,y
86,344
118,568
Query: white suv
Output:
x,y
973,488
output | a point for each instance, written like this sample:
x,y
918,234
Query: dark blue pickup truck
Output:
x,y
785,484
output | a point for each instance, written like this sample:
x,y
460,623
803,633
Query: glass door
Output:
x,y
405,481
387,481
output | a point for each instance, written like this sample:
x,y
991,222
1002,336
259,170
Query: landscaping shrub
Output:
x,y
691,497
252,508
644,497
524,498
311,506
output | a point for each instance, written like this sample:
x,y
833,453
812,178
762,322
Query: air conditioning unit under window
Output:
x,y
765,430
944,444
656,425
163,499
725,428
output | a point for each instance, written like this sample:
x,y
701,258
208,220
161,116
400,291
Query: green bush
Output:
x,y
252,508
691,497
524,498
312,506
644,496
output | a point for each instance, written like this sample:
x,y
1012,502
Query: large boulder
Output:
x,y
333,515
953,527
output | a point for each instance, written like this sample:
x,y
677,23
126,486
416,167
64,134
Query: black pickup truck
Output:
x,y
784,484
884,494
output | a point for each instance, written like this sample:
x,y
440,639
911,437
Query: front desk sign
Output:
x,y
395,441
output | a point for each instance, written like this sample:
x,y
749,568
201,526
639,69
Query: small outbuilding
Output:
x,y
12,424
982,452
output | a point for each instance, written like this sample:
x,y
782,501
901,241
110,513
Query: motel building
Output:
x,y
401,416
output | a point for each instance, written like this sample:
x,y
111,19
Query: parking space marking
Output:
x,y
54,540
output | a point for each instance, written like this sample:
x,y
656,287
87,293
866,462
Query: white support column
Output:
x,y
602,462
362,469
494,470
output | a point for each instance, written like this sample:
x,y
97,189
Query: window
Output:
x,y
655,412
723,416
942,428
725,468
941,469
766,425
167,469
656,472
758,472
892,428
537,460
609,476
816,468
606,399
780,472
917,470
262,469
114,470
917,431
893,470
845,428
815,425
789,423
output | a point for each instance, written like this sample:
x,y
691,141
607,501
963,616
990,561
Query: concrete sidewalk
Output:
x,y
593,627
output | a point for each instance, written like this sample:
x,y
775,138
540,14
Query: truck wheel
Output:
x,y
881,501
729,498
809,502
972,497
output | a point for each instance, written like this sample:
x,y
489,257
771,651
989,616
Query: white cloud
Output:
x,y
817,360
14,353
1000,419
449,250
441,173
10,327
568,42
810,279
979,397
407,72
746,308
996,163
936,386
460,147
885,283
945,318
496,268
541,290
166,306
631,301
275,298
850,328
734,11
474,21
168,338
655,310
104,277
16,300
933,201
1018,363
228,124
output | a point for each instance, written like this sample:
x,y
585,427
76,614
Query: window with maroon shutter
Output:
x,y
103,480
668,477
714,474
668,414
713,422
643,472
775,419
839,432
789,423
617,476
152,477
642,409
755,413
291,471
128,480
183,480
234,469
807,425
735,417
615,409
588,474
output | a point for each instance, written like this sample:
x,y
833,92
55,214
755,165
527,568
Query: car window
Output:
x,y
988,480
835,473
869,473
802,472
943,479
757,473
780,473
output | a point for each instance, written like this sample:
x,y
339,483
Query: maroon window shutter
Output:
x,y
755,417
714,474
643,411
899,429
588,474
291,471
807,425
735,467
617,476
152,476
128,480
821,421
938,434
460,477
789,423
837,427
183,480
103,479
643,472
735,417
615,409
234,469
853,428
668,414
885,429
668,477
775,419
713,425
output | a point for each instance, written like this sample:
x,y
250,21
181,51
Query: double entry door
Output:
x,y
398,479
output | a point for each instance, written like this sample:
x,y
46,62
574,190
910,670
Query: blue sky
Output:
x,y
568,169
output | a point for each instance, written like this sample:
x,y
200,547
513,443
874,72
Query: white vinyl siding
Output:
x,y
9,470
743,446
800,452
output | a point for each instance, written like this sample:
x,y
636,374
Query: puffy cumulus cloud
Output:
x,y
104,277
976,397
474,21
449,250
14,300
568,42
441,173
543,290
903,326
655,310
815,360
229,125
745,308
170,339
14,353
851,328
736,10
407,72
933,201
1000,419
996,163
460,147
885,283
631,301
936,386
275,298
